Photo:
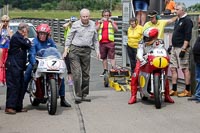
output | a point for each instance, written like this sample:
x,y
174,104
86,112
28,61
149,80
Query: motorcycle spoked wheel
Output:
x,y
157,92
33,100
52,97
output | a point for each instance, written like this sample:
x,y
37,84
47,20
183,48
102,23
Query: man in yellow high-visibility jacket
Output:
x,y
106,28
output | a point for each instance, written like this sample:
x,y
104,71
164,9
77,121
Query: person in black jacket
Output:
x,y
196,55
180,50
15,66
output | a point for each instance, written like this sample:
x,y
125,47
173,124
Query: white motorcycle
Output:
x,y
46,81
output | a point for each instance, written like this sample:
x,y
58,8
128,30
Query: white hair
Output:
x,y
84,10
182,5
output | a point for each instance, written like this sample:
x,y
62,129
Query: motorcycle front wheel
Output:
x,y
52,97
157,91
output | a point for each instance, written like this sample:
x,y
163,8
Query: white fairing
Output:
x,y
160,52
50,63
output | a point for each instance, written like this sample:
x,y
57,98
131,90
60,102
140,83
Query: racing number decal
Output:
x,y
53,64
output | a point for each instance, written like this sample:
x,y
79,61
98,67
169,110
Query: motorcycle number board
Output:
x,y
53,64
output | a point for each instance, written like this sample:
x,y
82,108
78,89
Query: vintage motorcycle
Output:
x,y
46,79
152,76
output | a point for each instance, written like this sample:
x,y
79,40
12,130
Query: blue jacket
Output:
x,y
38,45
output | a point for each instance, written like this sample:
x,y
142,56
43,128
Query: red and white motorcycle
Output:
x,y
46,80
152,76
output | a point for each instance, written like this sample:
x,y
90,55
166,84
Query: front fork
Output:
x,y
54,76
162,77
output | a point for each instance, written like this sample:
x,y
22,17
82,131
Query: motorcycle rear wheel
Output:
x,y
52,97
157,92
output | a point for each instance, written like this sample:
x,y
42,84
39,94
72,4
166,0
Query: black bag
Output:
x,y
167,12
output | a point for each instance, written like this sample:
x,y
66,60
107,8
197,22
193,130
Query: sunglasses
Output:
x,y
5,21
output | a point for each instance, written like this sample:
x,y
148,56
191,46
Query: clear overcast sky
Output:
x,y
188,2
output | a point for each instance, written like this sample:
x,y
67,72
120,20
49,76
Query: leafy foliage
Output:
x,y
61,4
195,7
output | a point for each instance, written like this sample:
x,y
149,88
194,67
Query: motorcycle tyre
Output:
x,y
106,81
52,100
157,93
34,101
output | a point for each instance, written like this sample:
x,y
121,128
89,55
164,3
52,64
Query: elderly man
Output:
x,y
82,37
15,66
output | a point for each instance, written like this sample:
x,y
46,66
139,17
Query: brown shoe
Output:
x,y
22,110
173,93
185,93
10,111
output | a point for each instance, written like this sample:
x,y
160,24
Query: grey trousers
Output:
x,y
80,66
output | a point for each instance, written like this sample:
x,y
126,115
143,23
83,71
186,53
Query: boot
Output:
x,y
133,98
167,96
63,102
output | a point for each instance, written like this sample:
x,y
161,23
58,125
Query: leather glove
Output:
x,y
169,49
143,62
182,54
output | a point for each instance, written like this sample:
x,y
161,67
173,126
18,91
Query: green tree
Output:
x,y
195,7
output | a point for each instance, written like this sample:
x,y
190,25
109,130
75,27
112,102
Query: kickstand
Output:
x,y
85,99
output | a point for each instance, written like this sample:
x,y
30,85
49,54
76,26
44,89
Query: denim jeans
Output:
x,y
197,94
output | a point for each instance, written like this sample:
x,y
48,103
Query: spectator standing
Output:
x,y
158,23
42,41
106,28
5,35
181,48
196,54
169,7
15,66
81,38
141,7
67,28
134,36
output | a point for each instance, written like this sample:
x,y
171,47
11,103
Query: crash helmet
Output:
x,y
73,19
150,34
43,28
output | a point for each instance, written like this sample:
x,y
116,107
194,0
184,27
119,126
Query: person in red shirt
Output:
x,y
106,28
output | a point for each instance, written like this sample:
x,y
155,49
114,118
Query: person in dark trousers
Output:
x,y
134,36
15,66
43,41
80,41
180,53
196,54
